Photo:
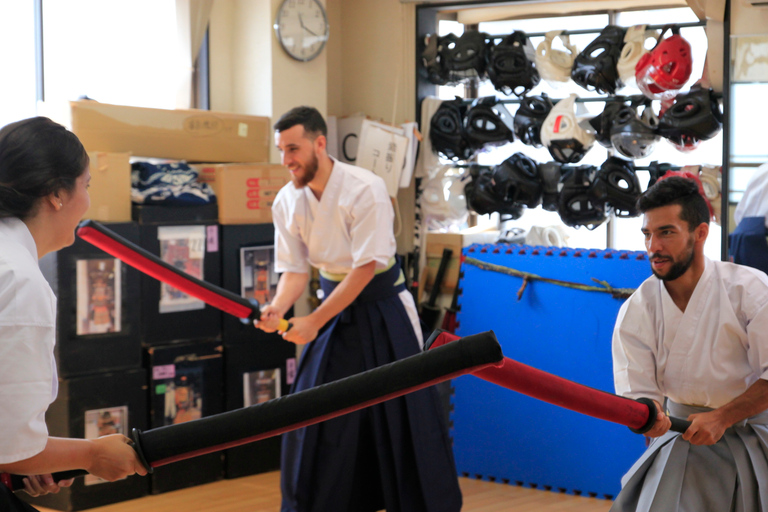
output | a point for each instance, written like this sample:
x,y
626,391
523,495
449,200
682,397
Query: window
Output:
x,y
125,53
17,88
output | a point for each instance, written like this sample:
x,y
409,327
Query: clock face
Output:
x,y
302,28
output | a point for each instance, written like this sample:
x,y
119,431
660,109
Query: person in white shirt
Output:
x,y
44,175
338,218
694,337
747,244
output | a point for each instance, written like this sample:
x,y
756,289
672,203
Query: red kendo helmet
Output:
x,y
664,70
694,177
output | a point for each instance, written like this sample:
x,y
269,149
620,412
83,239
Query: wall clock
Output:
x,y
301,27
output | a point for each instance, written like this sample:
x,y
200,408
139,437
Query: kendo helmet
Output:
x,y
446,130
511,65
595,67
554,64
517,180
550,173
576,204
566,141
632,51
483,199
686,173
464,57
432,60
488,122
602,122
711,182
634,136
530,115
617,185
666,68
695,114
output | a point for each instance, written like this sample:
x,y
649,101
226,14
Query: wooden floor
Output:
x,y
261,493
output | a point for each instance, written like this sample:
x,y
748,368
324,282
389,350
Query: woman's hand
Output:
x,y
38,485
114,458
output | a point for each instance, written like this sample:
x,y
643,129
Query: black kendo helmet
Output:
x,y
432,61
616,184
632,135
595,67
530,117
602,122
510,69
694,115
446,130
550,174
488,122
466,56
517,180
483,199
576,205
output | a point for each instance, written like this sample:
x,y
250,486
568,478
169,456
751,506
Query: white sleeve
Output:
x,y
291,253
634,353
26,375
371,230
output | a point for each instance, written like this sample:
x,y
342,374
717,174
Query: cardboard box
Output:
x,y
110,188
193,135
244,192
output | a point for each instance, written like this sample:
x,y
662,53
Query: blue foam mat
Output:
x,y
506,436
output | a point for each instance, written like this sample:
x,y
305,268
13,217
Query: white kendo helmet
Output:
x,y
633,49
711,181
443,203
566,141
553,64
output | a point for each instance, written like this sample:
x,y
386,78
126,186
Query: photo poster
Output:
x,y
103,422
99,301
261,386
258,279
182,390
184,248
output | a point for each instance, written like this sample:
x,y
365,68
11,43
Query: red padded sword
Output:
x,y
639,415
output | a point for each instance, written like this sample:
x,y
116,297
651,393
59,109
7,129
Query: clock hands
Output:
x,y
301,22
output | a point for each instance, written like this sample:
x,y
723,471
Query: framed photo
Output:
x,y
103,422
182,387
261,386
99,304
258,279
184,248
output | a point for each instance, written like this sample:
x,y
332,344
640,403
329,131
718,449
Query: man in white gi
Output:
x,y
696,335
338,218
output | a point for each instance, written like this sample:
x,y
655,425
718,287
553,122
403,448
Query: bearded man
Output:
x,y
694,337
338,218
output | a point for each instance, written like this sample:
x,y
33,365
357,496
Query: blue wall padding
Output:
x,y
503,435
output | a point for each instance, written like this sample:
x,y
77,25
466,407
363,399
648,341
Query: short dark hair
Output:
x,y
309,117
37,157
677,190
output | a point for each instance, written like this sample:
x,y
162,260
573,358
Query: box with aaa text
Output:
x,y
192,135
245,192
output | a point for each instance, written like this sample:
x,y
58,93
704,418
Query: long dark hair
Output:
x,y
37,157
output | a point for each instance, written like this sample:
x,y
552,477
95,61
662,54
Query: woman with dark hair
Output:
x,y
44,179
